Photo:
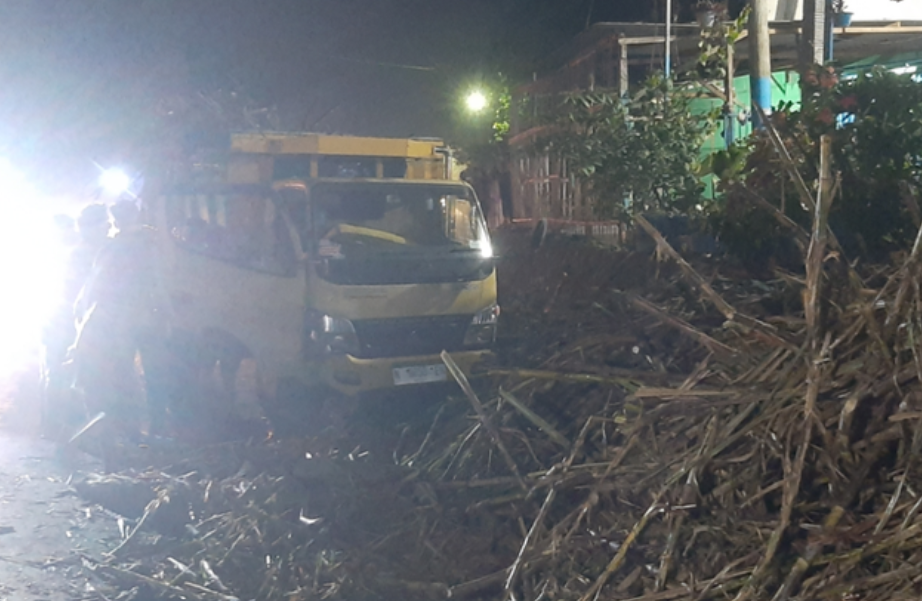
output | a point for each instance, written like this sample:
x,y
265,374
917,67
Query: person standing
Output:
x,y
90,229
93,233
125,315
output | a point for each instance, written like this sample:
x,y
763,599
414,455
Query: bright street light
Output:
x,y
476,101
114,181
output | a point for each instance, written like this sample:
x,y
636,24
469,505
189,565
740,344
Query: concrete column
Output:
x,y
813,42
760,58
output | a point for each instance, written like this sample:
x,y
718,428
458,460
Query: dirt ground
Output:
x,y
46,531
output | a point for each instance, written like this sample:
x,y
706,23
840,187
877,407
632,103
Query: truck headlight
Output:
x,y
334,335
482,329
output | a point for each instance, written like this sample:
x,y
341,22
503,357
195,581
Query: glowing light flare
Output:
x,y
32,264
115,181
13,184
476,101
486,249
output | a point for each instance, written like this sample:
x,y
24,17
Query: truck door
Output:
x,y
236,280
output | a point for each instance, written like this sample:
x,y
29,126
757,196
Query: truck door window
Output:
x,y
245,229
461,222
293,201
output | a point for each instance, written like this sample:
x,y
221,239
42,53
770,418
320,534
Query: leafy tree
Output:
x,y
635,155
713,47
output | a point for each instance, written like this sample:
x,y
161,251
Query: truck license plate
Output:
x,y
419,374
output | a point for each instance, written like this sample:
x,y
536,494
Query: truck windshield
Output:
x,y
234,224
360,219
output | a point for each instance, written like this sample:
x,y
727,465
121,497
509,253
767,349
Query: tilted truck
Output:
x,y
347,261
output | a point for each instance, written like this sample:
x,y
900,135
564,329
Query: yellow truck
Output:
x,y
347,261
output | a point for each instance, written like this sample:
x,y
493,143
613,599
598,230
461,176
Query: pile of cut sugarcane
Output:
x,y
672,441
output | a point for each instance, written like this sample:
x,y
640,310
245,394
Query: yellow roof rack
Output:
x,y
276,143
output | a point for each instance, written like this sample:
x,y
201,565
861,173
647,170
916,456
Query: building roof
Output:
x,y
646,41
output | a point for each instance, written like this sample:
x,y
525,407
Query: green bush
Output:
x,y
635,155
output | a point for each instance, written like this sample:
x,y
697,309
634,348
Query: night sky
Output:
x,y
81,79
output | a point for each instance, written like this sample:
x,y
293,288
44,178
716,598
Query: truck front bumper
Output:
x,y
350,375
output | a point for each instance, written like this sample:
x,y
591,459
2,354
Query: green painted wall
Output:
x,y
907,59
786,88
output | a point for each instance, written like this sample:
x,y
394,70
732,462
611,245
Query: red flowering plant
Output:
x,y
819,86
875,121
876,124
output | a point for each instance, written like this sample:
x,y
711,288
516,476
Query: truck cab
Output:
x,y
352,281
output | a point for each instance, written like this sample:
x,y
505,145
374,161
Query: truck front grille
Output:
x,y
410,336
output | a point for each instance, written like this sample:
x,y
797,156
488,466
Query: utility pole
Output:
x,y
730,105
760,59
